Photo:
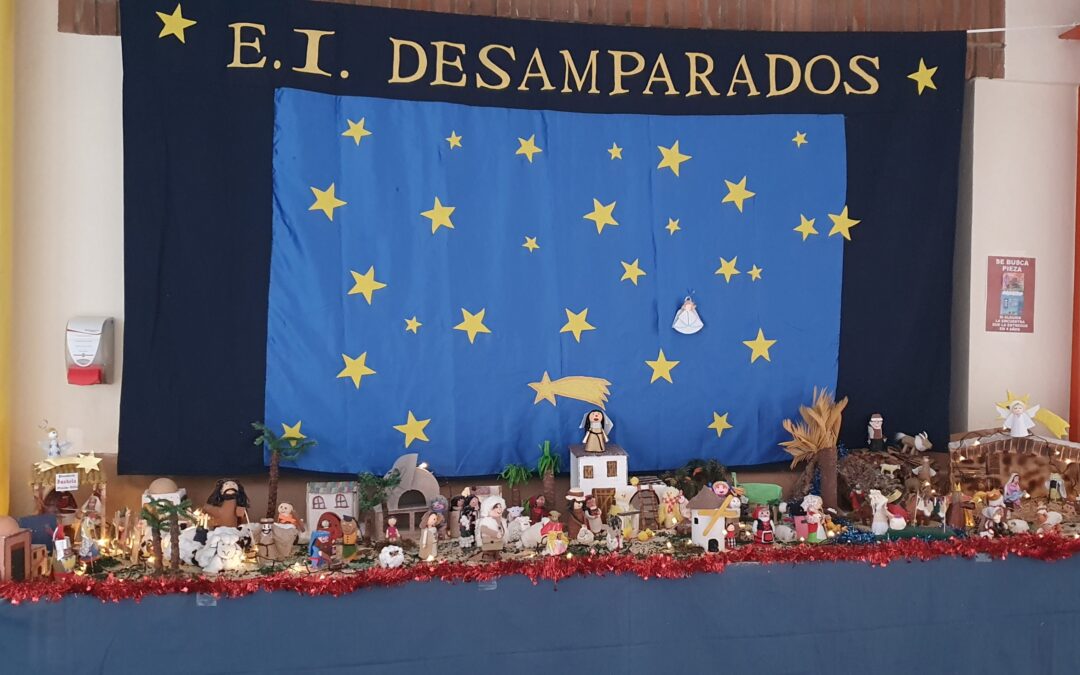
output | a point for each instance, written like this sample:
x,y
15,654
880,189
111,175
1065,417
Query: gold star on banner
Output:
x,y
413,429
755,273
577,323
727,268
292,432
806,226
759,346
631,271
174,24
355,369
672,225
356,130
924,77
615,151
661,368
530,243
365,284
671,158
454,140
602,215
720,423
326,201
439,215
842,224
737,193
412,325
528,147
800,139
472,323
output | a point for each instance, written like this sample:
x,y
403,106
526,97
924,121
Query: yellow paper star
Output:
x,y
799,140
88,462
576,323
355,368
472,323
759,346
727,268
292,432
924,77
755,273
671,158
356,130
672,225
454,140
737,193
602,215
631,271
806,226
174,24
326,201
413,429
528,147
530,243
661,368
365,284
412,324
439,215
615,151
719,423
842,224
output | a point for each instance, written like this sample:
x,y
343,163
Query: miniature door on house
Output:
x,y
647,502
328,503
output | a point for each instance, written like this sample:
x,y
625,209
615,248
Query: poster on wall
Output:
x,y
1010,294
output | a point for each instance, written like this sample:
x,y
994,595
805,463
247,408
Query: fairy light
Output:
x,y
977,442
431,558
423,465
569,556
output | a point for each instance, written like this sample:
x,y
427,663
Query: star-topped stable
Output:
x,y
924,77
365,284
528,147
842,224
755,273
759,347
672,225
530,243
800,139
577,323
631,271
602,215
727,268
356,130
355,368
326,201
737,193
412,325
671,158
472,323
174,24
454,140
661,368
615,151
439,215
413,429
806,226
719,424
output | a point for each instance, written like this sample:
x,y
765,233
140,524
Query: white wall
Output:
x,y
68,226
1036,54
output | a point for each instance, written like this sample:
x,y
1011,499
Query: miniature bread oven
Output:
x,y
15,551
410,500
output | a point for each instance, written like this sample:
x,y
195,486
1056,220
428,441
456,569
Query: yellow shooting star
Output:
x,y
592,390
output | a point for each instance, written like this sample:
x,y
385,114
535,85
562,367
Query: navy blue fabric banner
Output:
x,y
389,230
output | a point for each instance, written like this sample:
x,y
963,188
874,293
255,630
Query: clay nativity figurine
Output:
x,y
491,528
687,321
597,428
875,434
227,504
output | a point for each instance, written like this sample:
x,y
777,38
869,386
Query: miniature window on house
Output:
x,y
612,469
317,502
695,520
586,471
340,502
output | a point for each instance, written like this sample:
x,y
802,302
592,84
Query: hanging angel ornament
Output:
x,y
687,320
54,447
597,428
1019,417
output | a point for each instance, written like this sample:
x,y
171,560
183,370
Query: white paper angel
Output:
x,y
54,447
597,428
687,320
1019,418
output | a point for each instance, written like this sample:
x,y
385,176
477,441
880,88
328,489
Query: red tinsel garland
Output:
x,y
553,569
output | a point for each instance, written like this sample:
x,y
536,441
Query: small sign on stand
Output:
x,y
67,482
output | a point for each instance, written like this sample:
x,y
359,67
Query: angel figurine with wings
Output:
x,y
54,447
597,426
687,320
1020,417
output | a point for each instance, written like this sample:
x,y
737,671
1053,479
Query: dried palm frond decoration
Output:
x,y
813,441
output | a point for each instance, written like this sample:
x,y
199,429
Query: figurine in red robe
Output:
x,y
537,508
